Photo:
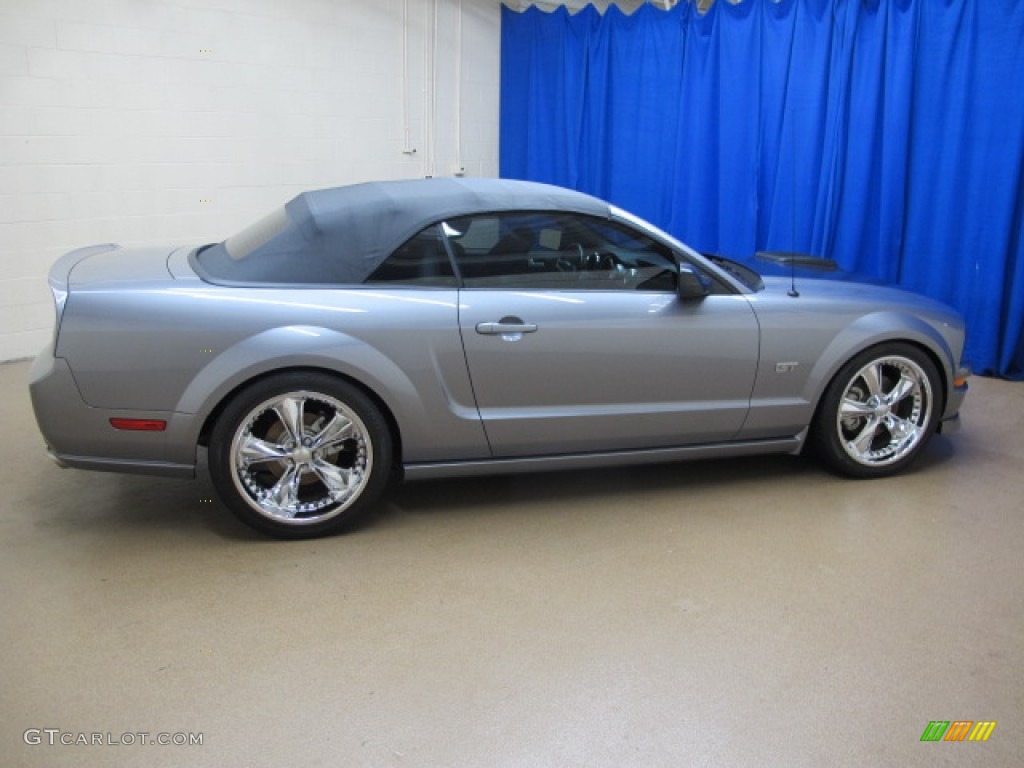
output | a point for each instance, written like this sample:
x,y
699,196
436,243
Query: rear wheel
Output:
x,y
879,411
300,455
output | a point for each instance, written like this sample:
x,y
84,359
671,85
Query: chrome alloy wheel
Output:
x,y
885,411
301,458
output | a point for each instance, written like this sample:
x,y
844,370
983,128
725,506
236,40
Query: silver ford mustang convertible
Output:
x,y
447,327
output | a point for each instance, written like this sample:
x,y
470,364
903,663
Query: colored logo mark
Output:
x,y
958,730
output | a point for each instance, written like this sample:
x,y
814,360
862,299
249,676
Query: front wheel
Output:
x,y
879,411
300,455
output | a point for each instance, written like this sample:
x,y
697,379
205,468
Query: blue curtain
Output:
x,y
886,134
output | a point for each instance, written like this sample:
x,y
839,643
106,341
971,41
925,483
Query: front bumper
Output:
x,y
951,418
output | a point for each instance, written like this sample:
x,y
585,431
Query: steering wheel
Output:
x,y
573,262
606,260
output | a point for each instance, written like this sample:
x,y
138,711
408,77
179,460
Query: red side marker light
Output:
x,y
139,425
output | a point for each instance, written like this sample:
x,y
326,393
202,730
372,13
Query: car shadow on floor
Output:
x,y
625,485
77,501
620,487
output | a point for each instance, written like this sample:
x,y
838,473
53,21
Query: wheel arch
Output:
x,y
283,349
873,331
214,414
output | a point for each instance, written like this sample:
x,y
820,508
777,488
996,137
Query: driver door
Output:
x,y
576,340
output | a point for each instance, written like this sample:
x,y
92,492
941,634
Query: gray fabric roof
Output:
x,y
342,235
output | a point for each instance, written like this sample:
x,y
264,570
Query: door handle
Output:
x,y
502,327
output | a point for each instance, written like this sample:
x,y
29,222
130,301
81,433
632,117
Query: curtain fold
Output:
x,y
886,134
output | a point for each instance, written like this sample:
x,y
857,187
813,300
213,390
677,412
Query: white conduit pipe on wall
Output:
x,y
459,169
407,148
430,45
430,90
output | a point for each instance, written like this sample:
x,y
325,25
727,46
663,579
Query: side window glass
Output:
x,y
422,260
557,251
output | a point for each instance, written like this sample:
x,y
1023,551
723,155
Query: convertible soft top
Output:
x,y
341,235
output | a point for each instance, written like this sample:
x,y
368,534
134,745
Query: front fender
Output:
x,y
869,331
801,354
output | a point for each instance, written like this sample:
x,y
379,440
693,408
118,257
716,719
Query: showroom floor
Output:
x,y
732,613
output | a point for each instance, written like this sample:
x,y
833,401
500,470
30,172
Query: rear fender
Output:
x,y
308,347
60,276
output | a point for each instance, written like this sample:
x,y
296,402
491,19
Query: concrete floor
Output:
x,y
732,613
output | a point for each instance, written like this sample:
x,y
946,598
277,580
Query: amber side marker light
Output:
x,y
962,374
139,425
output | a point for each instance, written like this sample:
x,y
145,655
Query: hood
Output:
x,y
807,268
826,282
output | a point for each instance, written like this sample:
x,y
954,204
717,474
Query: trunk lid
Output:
x,y
113,264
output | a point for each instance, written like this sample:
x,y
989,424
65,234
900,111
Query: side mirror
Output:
x,y
692,285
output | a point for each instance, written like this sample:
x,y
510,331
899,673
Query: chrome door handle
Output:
x,y
500,328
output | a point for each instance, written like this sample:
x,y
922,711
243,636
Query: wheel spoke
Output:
x,y
285,492
902,430
905,386
254,450
337,430
862,442
854,408
872,375
290,412
337,479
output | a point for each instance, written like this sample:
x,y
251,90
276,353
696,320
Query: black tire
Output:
x,y
879,411
297,486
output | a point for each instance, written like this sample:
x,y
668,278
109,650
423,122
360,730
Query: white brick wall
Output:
x,y
118,117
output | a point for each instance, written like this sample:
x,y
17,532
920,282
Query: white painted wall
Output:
x,y
177,121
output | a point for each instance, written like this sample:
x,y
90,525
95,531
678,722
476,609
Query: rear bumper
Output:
x,y
80,436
